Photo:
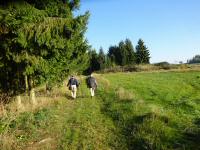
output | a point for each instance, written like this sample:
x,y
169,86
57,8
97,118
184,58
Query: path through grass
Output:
x,y
130,111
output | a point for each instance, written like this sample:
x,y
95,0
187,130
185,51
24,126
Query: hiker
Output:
x,y
92,84
73,85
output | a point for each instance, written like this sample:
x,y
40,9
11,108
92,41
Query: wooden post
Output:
x,y
19,103
32,93
26,85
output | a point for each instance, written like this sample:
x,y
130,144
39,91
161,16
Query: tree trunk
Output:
x,y
32,93
18,97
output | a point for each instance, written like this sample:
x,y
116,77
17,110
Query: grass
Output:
x,y
142,111
164,110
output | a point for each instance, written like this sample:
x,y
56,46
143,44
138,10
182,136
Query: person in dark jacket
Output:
x,y
73,85
92,84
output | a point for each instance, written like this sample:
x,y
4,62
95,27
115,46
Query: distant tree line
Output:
x,y
195,59
121,55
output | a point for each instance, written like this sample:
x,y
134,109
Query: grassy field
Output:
x,y
140,111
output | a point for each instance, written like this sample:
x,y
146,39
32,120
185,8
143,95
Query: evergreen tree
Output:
x,y
109,63
42,41
195,59
94,63
113,54
117,54
123,54
142,53
101,59
130,52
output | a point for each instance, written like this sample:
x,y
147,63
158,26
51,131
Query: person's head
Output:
x,y
91,75
72,76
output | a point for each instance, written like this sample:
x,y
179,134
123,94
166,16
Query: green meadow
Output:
x,y
139,111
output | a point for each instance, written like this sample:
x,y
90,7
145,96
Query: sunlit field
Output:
x,y
139,111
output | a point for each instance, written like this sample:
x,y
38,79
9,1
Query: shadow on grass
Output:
x,y
150,131
192,135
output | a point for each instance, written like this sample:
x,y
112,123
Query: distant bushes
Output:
x,y
138,68
194,60
150,67
163,65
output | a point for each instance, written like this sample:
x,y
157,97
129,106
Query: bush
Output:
x,y
163,65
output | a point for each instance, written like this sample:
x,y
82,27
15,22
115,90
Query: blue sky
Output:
x,y
169,28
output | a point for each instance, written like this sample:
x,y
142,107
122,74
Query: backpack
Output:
x,y
91,82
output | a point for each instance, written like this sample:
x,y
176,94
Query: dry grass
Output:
x,y
123,94
2,110
153,68
102,81
26,106
44,144
7,142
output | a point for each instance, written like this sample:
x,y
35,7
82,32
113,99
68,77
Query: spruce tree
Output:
x,y
112,54
142,53
94,63
195,59
123,59
117,54
123,54
130,52
102,59
42,42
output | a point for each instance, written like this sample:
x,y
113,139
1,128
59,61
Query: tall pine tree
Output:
x,y
102,59
123,54
142,53
123,59
130,52
94,63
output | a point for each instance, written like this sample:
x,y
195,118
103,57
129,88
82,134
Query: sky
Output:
x,y
169,28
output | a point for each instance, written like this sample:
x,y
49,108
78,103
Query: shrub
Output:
x,y
163,65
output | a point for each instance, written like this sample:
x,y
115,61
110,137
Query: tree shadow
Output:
x,y
192,136
169,137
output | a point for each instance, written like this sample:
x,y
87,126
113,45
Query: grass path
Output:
x,y
68,124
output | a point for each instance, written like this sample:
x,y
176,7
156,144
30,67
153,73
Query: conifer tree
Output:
x,y
94,63
195,59
122,54
112,54
102,59
142,53
130,52
42,41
